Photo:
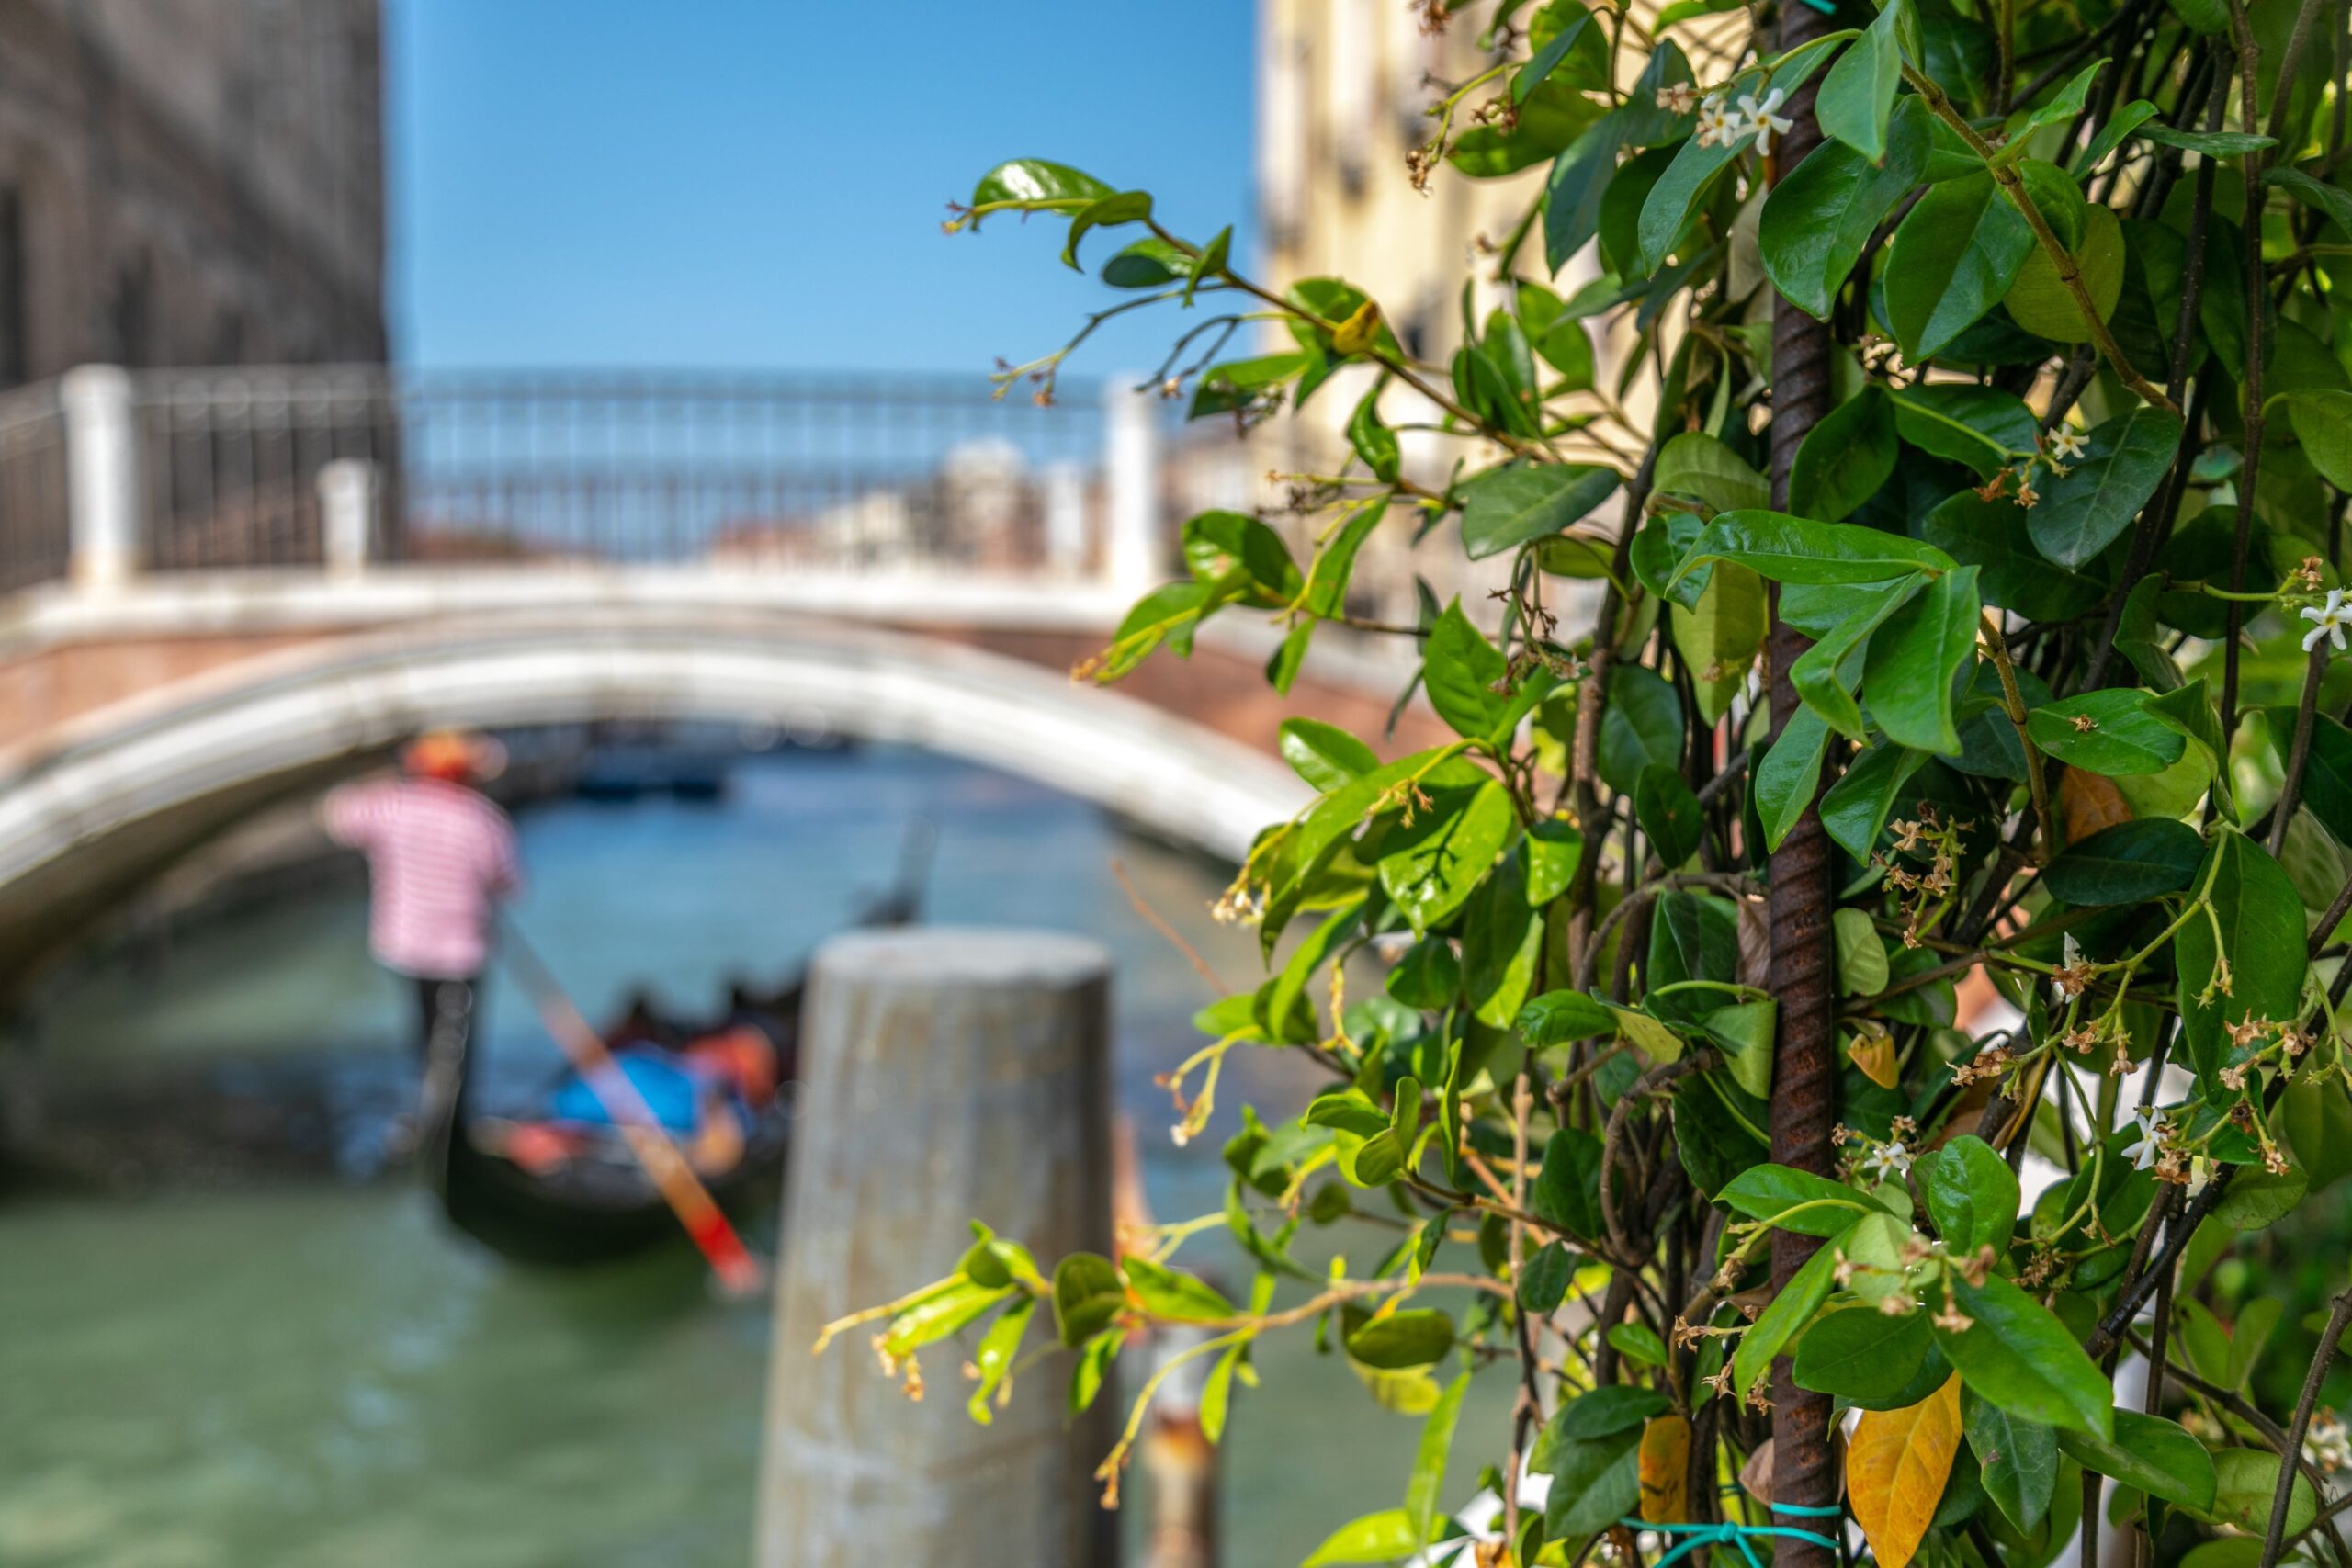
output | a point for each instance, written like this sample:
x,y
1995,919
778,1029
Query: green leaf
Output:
x,y
1543,1280
1781,1319
2127,863
1797,550
2260,917
2023,1359
1373,442
1794,1199
2040,302
1429,975
1992,535
2083,511
1789,775
2064,104
1914,659
1325,755
2330,201
1698,466
2120,125
1953,258
2244,1482
1861,954
2108,732
1212,262
1035,184
1639,1343
1820,217
1430,866
1501,943
1087,1295
1519,503
1383,1536
1855,810
1165,1292
1531,75
1428,1481
1128,206
1980,426
1415,1337
1555,849
1595,1482
1580,179
2212,144
1844,459
1555,1018
1972,1195
1568,1193
1862,1354
1604,1412
2156,1455
1720,637
1149,262
2327,776
1670,814
1858,95
1460,672
2321,420
1641,725
2019,1457
998,1348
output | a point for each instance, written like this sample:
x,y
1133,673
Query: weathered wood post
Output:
x,y
946,1075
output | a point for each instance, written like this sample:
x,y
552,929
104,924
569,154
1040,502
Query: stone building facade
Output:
x,y
189,182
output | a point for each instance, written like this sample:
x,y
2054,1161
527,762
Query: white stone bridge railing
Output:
x,y
107,473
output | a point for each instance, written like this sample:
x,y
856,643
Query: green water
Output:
x,y
213,1372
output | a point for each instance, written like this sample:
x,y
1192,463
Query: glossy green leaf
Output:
x,y
2082,511
1698,466
1324,755
1861,954
1972,1195
2156,1455
1797,550
1981,426
1855,810
1087,1295
1844,459
2245,1481
1953,258
1856,98
1383,1536
2040,300
2126,863
1568,1193
1820,217
2260,917
1783,1317
1862,1354
1038,184
2017,1355
1432,864
1517,504
1414,1337
1126,207
1641,726
1789,775
1460,672
1558,1017
2108,732
2322,419
1794,1199
2018,1458
1916,656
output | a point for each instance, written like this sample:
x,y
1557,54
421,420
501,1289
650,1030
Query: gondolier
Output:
x,y
440,856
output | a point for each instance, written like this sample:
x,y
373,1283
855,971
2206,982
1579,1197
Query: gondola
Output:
x,y
602,1204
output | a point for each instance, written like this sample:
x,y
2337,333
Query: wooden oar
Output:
x,y
739,1272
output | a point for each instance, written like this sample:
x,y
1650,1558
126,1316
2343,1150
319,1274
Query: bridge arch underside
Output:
x,y
136,785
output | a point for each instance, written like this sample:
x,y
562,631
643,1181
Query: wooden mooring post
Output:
x,y
947,1076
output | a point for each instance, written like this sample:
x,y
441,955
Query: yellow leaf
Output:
x,y
2089,802
1358,333
1874,1052
1896,1464
1665,1470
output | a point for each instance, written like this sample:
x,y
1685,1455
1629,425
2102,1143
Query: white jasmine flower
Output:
x,y
1681,97
1719,126
2065,441
1760,117
1887,1162
2144,1153
2327,621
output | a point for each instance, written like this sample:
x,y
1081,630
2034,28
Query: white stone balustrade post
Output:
x,y
1064,492
101,474
1132,556
347,491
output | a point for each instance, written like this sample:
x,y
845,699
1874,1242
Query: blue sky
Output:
x,y
760,182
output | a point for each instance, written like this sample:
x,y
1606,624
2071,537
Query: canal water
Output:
x,y
209,1363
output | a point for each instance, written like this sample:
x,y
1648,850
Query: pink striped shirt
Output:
x,y
440,855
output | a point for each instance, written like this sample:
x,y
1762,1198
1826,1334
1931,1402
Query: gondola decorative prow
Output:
x,y
739,1272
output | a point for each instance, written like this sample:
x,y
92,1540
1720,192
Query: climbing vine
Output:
x,y
1849,1033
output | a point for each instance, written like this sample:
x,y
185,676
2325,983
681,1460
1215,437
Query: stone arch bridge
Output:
x,y
220,616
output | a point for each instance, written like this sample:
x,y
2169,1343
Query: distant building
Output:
x,y
189,182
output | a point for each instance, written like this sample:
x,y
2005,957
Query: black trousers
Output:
x,y
445,1016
